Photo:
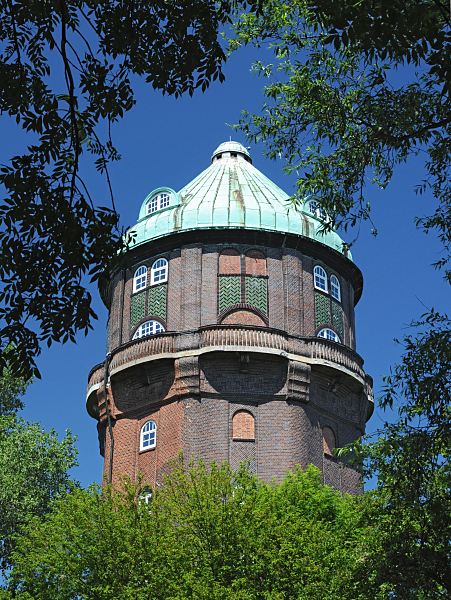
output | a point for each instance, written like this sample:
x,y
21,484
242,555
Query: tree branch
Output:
x,y
72,100
16,41
107,174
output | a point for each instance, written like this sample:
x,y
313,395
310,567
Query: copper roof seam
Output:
x,y
252,189
257,188
213,180
268,200
222,171
200,181
243,178
273,187
237,194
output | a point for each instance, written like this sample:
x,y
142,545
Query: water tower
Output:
x,y
231,333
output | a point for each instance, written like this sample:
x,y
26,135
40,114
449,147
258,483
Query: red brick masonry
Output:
x,y
237,387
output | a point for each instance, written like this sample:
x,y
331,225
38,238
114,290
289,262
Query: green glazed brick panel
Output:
x,y
137,308
229,291
157,301
337,319
257,292
322,310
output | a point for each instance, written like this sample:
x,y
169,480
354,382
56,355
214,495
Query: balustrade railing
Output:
x,y
240,336
220,337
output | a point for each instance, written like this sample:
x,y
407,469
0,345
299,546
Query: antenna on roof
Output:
x,y
230,138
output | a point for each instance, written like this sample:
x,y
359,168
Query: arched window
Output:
x,y
328,441
320,278
159,271
243,426
158,202
329,334
140,278
148,436
148,328
335,290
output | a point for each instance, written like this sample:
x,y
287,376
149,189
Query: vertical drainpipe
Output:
x,y
106,367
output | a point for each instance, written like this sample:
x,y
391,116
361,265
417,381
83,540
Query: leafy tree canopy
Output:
x,y
12,388
34,467
411,460
354,89
66,69
205,535
34,464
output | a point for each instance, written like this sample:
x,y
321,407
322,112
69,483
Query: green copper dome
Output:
x,y
230,194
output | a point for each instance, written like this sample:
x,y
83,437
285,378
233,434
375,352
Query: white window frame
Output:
x,y
159,271
152,205
165,200
335,288
320,277
148,328
140,278
148,436
157,202
329,334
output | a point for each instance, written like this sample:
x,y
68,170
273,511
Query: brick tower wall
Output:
x,y
192,293
194,399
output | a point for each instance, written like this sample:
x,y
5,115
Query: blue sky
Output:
x,y
166,142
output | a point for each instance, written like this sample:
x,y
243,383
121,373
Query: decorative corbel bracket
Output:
x,y
298,381
187,374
